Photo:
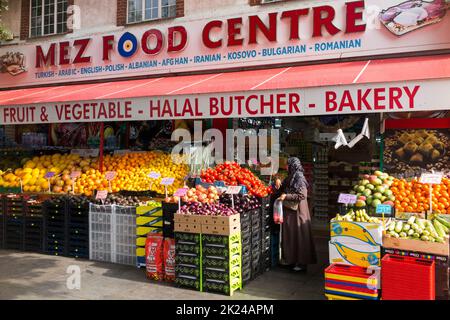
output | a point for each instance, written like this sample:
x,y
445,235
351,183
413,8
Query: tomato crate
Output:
x,y
224,287
187,270
190,282
181,247
407,278
188,259
192,238
222,274
222,240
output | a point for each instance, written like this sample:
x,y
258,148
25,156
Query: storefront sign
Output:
x,y
431,178
409,96
345,198
296,32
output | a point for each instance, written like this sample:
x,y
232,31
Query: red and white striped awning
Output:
x,y
395,70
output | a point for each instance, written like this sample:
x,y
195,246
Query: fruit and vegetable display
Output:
x,y
233,174
357,216
413,196
242,202
197,194
207,209
434,230
132,173
374,189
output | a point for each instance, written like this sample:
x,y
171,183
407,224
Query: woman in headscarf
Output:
x,y
297,241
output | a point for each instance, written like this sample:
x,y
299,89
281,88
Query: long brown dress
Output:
x,y
297,240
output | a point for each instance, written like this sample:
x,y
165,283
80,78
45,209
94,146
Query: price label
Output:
x,y
233,189
431,178
101,195
167,181
346,198
110,175
49,175
384,209
181,192
119,152
154,175
75,174
85,152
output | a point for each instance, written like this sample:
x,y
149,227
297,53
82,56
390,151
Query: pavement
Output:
x,y
36,276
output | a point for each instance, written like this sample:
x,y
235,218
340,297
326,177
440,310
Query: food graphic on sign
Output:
x,y
12,63
416,149
413,14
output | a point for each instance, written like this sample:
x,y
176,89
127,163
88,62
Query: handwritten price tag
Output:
x,y
110,175
75,174
346,198
181,192
431,178
154,175
167,181
49,175
233,189
384,209
101,195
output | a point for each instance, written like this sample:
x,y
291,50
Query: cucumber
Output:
x,y
425,238
439,229
411,220
426,233
403,235
421,223
416,235
392,226
406,227
415,226
443,221
410,232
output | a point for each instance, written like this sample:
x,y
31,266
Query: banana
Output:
x,y
353,230
358,258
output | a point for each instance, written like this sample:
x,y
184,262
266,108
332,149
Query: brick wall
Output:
x,y
25,20
180,8
121,12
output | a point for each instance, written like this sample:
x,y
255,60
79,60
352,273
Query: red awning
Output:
x,y
358,72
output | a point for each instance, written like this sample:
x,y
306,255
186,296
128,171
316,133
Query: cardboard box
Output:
x,y
442,266
222,230
362,255
188,218
222,220
352,232
439,249
187,227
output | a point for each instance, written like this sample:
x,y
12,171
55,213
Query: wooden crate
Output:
x,y
440,249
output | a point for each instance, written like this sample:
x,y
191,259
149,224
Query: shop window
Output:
x,y
48,17
147,10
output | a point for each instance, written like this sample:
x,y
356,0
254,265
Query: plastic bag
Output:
x,y
154,257
278,212
169,259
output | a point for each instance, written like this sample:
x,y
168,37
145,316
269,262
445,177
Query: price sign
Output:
x,y
233,189
346,198
101,194
154,175
49,175
384,209
85,152
431,178
75,174
110,175
167,181
119,152
181,192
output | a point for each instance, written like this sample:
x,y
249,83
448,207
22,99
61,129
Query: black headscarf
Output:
x,y
295,180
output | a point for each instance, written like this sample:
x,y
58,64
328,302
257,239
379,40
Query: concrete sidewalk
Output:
x,y
38,276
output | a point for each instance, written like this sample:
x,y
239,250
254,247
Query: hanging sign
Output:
x,y
233,189
154,175
181,192
167,181
75,174
49,175
110,175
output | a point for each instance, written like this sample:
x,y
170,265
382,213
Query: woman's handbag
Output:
x,y
291,205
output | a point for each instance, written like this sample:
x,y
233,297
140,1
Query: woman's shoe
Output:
x,y
300,269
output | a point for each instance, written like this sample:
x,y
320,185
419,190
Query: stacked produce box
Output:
x,y
14,222
100,232
256,242
149,220
188,260
246,240
78,234
266,247
34,226
55,226
221,263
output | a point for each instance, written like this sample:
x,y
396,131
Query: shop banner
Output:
x,y
403,96
266,35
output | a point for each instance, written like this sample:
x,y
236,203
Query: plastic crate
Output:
x,y
407,278
124,227
190,282
224,287
100,233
